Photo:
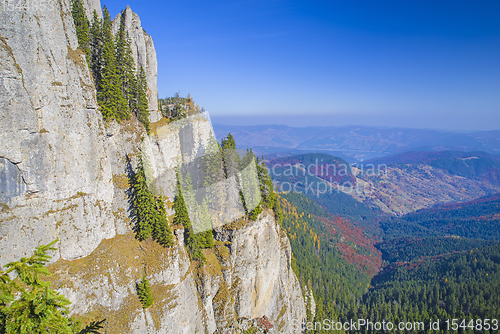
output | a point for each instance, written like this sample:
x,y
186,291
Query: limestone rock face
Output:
x,y
52,140
90,6
144,54
65,174
261,273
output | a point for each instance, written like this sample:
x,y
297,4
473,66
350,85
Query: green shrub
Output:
x,y
144,293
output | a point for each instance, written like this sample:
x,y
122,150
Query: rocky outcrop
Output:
x,y
261,274
90,6
65,174
144,54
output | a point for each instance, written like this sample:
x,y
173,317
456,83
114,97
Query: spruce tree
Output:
x,y
144,203
29,306
212,168
230,156
37,308
182,217
211,163
181,214
110,96
95,41
266,184
126,65
144,292
141,104
204,237
82,27
161,230
249,181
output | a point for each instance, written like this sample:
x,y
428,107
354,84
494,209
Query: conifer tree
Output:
x,y
95,41
82,27
126,65
181,214
144,203
232,160
110,96
232,164
278,211
29,306
266,184
161,230
212,169
141,104
249,181
144,292
39,308
182,217
211,164
206,238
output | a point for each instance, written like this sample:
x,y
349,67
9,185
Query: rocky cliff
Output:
x,y
64,174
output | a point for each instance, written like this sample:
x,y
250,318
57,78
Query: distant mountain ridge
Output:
x,y
359,142
397,184
429,156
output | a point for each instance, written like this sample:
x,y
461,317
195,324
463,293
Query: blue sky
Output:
x,y
411,63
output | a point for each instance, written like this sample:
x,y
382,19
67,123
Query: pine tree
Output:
x,y
126,65
181,214
177,111
144,292
205,238
145,205
38,308
161,230
266,184
212,168
191,240
82,27
278,212
249,182
29,306
95,41
110,96
211,163
141,105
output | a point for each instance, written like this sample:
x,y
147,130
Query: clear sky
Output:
x,y
411,63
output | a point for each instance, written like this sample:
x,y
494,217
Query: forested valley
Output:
x,y
435,264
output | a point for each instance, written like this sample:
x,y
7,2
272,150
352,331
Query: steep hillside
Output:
x,y
422,276
478,219
333,258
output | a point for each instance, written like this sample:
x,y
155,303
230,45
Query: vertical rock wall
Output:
x,y
51,130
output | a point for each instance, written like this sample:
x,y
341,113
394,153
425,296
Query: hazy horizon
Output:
x,y
344,120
